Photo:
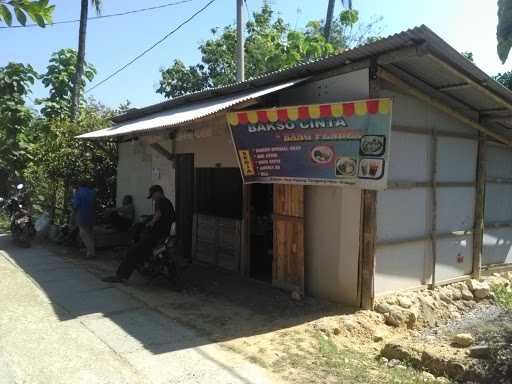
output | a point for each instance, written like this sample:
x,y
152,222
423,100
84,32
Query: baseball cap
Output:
x,y
153,189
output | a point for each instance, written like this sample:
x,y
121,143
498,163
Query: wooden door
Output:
x,y
184,201
288,261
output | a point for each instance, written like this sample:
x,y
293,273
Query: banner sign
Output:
x,y
326,144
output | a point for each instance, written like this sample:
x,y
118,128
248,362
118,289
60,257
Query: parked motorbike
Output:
x,y
21,224
163,262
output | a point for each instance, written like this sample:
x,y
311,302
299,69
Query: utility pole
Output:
x,y
328,19
240,65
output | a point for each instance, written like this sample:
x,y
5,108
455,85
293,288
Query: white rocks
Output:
x,y
445,296
379,335
427,376
393,363
348,324
405,302
455,315
456,294
466,294
480,289
391,300
497,280
383,308
394,318
463,340
401,317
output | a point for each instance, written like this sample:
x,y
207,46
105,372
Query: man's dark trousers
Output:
x,y
137,254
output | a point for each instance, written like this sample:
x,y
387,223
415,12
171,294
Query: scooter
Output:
x,y
163,262
22,227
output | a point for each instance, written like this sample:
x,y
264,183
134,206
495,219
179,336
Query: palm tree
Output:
x,y
79,72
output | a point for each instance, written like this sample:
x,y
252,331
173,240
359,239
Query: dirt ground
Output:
x,y
301,341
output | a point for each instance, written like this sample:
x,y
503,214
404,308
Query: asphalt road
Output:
x,y
60,323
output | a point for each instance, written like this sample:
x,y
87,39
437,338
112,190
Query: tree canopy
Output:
x,y
58,79
39,11
504,29
271,44
15,82
40,147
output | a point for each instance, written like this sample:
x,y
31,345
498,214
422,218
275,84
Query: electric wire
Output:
x,y
249,14
102,16
150,48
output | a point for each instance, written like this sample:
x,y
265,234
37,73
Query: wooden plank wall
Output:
x,y
288,262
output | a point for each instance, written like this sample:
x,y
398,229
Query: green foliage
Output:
x,y
505,79
58,78
42,149
97,4
271,44
39,11
57,157
468,55
504,29
351,366
15,82
503,295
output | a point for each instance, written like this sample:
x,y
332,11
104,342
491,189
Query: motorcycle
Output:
x,y
163,262
21,224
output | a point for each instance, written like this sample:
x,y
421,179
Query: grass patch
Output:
x,y
503,296
350,366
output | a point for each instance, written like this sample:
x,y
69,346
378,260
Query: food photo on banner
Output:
x,y
344,143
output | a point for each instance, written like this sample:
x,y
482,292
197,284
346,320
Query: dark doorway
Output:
x,y
184,201
262,231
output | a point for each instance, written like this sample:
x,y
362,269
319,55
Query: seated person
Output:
x,y
157,230
122,217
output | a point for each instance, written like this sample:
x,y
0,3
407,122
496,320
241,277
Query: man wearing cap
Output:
x,y
159,227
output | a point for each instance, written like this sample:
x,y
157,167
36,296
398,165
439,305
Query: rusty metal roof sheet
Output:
x,y
184,113
442,70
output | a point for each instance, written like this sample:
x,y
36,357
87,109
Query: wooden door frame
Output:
x,y
368,231
245,257
177,182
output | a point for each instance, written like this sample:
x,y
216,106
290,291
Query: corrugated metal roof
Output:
x,y
185,113
425,68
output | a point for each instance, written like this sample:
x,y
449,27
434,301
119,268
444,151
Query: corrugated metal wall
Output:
x,y
332,214
497,248
405,213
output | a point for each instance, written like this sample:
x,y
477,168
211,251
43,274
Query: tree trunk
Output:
x,y
79,71
328,20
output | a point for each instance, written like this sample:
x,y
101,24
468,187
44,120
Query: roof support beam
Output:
x,y
386,58
403,54
492,119
454,87
470,81
427,88
413,91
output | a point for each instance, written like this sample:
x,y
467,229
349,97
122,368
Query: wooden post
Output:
x,y
369,220
245,259
478,230
433,224
367,270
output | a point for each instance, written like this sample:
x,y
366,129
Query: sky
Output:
x,y
468,25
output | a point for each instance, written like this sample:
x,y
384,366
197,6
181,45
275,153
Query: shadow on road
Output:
x,y
215,305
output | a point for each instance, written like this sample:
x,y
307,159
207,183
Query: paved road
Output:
x,y
61,324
